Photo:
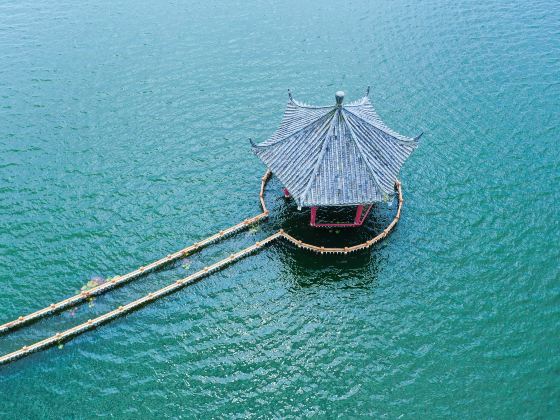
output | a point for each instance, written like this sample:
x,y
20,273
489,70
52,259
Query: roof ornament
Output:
x,y
339,98
290,95
367,91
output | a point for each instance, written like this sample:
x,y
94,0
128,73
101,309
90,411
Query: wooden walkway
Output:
x,y
178,284
120,280
122,310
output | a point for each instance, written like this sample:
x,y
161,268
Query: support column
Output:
x,y
357,221
313,215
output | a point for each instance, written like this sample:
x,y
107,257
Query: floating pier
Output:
x,y
120,280
139,272
122,310
178,284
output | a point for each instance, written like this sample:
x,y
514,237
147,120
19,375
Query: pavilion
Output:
x,y
336,156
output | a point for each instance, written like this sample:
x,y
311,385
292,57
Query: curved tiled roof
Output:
x,y
335,155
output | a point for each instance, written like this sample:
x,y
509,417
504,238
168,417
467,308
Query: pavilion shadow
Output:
x,y
307,269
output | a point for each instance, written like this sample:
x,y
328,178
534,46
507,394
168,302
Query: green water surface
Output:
x,y
123,137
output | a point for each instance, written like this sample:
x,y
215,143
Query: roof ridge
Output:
x,y
386,129
304,105
362,155
320,157
264,146
358,102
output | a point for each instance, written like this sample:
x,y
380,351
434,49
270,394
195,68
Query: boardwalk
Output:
x,y
178,284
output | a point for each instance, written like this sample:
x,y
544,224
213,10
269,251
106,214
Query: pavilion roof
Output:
x,y
335,155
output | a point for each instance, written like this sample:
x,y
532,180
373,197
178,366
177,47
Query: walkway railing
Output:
x,y
122,310
178,284
120,280
358,247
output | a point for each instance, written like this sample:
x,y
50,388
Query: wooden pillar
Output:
x,y
359,210
313,215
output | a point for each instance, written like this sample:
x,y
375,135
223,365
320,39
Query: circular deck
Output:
x,y
335,250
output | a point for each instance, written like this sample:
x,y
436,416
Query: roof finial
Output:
x,y
367,91
339,97
290,95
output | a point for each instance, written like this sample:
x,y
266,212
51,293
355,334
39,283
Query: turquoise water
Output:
x,y
123,137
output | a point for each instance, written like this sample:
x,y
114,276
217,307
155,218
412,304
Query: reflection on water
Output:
x,y
306,269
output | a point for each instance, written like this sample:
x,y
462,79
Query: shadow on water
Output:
x,y
308,269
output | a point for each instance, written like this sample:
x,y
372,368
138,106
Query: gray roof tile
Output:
x,y
335,155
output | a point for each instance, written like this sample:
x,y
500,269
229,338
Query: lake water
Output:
x,y
123,137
